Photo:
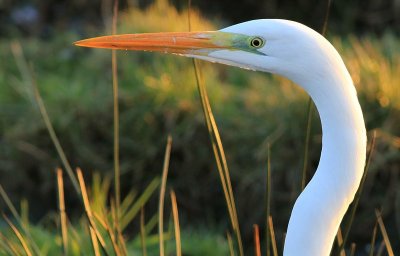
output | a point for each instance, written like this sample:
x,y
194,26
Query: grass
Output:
x,y
158,95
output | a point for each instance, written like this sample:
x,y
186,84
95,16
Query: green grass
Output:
x,y
158,95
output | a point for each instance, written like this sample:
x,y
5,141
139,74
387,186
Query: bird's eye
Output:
x,y
256,42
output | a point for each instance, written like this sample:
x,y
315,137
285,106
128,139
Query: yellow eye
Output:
x,y
256,42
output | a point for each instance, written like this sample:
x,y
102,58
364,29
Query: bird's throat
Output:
x,y
320,208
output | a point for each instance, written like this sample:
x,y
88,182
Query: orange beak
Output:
x,y
197,43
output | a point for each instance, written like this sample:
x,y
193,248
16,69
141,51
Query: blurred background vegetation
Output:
x,y
158,96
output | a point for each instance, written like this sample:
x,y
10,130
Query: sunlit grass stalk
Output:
x,y
121,240
26,71
257,247
358,193
217,149
381,248
100,220
61,208
24,211
162,196
93,239
268,201
15,214
110,230
339,238
219,157
7,245
18,234
140,202
384,233
272,233
230,244
143,232
117,169
94,231
176,224
352,249
373,239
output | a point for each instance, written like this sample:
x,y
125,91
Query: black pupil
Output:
x,y
256,42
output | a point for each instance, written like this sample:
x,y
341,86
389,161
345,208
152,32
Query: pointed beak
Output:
x,y
184,43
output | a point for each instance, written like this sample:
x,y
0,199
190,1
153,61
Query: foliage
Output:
x,y
49,17
158,96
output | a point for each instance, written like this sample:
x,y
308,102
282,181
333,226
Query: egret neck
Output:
x,y
320,208
299,53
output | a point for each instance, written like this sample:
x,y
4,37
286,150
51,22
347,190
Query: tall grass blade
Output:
x,y
352,249
384,233
326,18
122,244
359,191
27,72
272,233
117,169
8,246
100,219
63,215
18,235
143,233
268,201
151,224
218,150
339,238
373,239
381,248
88,210
257,247
24,209
127,201
114,231
110,230
230,244
15,214
162,195
219,157
140,202
176,224
95,244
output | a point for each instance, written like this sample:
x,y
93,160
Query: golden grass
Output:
x,y
177,228
257,247
272,234
268,202
27,72
94,231
230,244
373,239
18,234
384,233
61,208
364,59
117,169
143,233
162,196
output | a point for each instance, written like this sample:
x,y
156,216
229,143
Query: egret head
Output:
x,y
276,46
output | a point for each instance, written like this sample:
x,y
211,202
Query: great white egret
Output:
x,y
299,53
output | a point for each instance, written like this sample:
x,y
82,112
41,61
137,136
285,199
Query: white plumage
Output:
x,y
299,53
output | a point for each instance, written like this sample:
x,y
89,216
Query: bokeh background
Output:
x,y
158,96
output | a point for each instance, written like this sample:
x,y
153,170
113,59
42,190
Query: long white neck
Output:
x,y
320,208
